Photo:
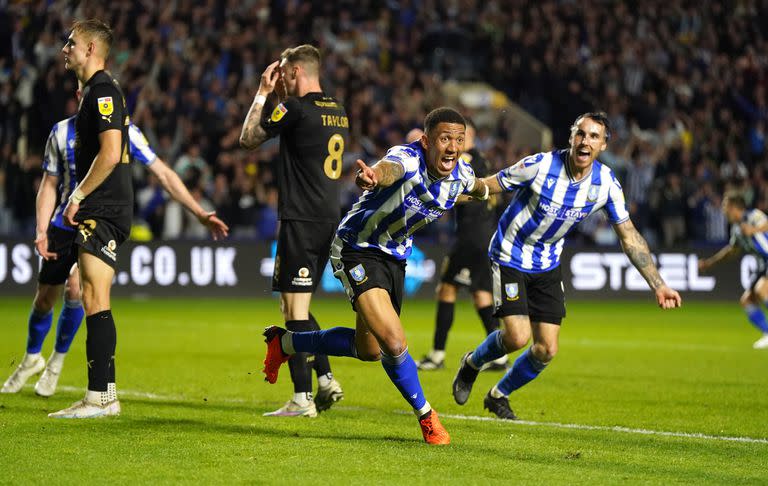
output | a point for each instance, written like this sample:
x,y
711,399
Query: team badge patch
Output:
x,y
357,272
454,189
279,112
105,105
512,291
594,191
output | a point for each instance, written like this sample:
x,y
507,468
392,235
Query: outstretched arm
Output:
x,y
724,253
382,174
636,248
172,183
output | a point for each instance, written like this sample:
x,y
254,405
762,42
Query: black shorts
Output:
x,y
467,267
61,242
539,296
362,270
302,253
102,230
762,271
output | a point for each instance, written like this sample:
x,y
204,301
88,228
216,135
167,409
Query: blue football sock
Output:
x,y
756,317
525,369
491,348
39,325
69,322
337,341
402,371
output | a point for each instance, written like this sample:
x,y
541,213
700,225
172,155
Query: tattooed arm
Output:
x,y
252,134
636,249
382,174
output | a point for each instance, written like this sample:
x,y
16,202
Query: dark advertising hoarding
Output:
x,y
242,269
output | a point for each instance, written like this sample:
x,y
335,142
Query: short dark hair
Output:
x,y
306,55
95,29
442,115
735,199
600,117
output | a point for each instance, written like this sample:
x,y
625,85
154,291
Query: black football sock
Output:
x,y
300,364
100,350
490,323
322,365
443,324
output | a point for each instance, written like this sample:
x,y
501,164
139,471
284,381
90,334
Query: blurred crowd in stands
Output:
x,y
685,85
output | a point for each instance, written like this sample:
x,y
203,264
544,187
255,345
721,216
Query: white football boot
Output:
x,y
28,368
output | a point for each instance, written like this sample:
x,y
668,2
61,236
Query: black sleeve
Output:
x,y
107,106
285,115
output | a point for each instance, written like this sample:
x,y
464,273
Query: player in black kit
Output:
x,y
467,265
313,130
101,206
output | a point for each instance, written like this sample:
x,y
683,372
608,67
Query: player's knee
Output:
x,y
544,352
45,298
72,292
369,355
513,341
747,299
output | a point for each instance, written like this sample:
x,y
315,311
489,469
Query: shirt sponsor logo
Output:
x,y
414,203
562,213
278,113
105,105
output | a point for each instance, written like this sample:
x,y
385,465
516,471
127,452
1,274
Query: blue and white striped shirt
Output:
x,y
59,160
385,218
756,244
547,205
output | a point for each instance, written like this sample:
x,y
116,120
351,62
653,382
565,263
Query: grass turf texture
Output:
x,y
193,396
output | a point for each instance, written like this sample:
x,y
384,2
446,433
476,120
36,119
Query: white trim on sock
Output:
x,y
286,342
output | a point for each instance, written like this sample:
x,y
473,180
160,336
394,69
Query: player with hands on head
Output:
x,y
313,130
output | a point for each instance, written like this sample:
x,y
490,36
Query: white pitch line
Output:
x,y
557,425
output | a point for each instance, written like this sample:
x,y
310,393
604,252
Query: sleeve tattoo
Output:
x,y
387,173
252,134
636,248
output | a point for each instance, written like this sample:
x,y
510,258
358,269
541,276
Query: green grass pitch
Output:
x,y
635,395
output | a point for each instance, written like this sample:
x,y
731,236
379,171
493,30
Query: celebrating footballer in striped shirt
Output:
x,y
553,193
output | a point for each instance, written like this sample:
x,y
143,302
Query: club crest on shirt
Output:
x,y
512,291
105,105
358,273
278,113
454,189
594,192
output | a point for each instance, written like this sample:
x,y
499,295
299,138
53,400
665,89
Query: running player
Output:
x,y
554,191
749,234
54,244
467,264
410,187
313,129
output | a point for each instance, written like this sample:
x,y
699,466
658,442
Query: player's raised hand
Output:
x,y
668,298
41,244
269,79
218,228
366,177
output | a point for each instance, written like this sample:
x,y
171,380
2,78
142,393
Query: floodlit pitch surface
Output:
x,y
635,395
